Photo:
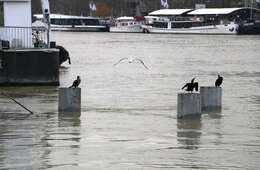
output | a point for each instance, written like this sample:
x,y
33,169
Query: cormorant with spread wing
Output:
x,y
76,82
219,81
192,85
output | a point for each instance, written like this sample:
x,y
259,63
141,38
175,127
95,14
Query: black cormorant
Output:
x,y
192,85
63,54
219,81
76,82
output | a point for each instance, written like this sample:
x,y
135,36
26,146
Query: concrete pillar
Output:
x,y
188,105
69,99
211,98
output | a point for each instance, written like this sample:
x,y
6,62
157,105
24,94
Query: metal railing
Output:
x,y
24,37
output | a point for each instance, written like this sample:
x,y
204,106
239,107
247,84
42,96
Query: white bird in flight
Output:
x,y
130,60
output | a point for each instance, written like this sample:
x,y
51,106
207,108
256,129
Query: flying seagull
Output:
x,y
219,81
190,86
131,60
76,82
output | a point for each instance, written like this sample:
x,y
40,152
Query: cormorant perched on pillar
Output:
x,y
76,82
190,86
219,81
63,54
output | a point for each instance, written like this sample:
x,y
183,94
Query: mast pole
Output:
x,y
46,16
251,10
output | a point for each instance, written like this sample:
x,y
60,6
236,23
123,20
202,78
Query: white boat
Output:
x,y
75,23
230,28
200,21
128,25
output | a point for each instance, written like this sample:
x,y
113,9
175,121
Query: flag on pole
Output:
x,y
92,6
164,4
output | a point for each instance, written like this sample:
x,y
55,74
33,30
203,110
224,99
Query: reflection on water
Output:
x,y
37,99
128,118
69,119
189,132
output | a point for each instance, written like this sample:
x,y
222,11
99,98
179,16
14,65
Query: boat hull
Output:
x,y
216,29
94,28
127,29
249,28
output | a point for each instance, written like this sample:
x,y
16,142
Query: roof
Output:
x,y
213,11
125,18
170,11
60,16
151,17
15,0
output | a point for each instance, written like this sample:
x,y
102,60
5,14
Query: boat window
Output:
x,y
75,21
257,16
1,65
62,21
182,25
160,24
91,21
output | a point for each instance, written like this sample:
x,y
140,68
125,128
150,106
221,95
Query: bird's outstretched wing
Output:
x,y
120,61
186,85
141,61
221,80
196,86
216,83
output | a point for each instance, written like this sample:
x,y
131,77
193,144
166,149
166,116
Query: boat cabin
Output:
x,y
128,21
59,19
186,18
15,23
166,17
226,15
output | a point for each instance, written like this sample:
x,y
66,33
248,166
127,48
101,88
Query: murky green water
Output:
x,y
128,118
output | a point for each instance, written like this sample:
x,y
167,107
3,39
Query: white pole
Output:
x,y
46,16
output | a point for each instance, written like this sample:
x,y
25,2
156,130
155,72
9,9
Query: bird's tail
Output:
x,y
69,60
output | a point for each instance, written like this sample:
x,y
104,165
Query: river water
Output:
x,y
128,118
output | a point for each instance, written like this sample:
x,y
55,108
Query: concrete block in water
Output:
x,y
29,67
188,105
69,99
211,98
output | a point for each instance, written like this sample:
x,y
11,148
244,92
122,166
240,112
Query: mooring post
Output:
x,y
188,105
211,98
69,99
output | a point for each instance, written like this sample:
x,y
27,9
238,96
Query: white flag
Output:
x,y
92,6
164,4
